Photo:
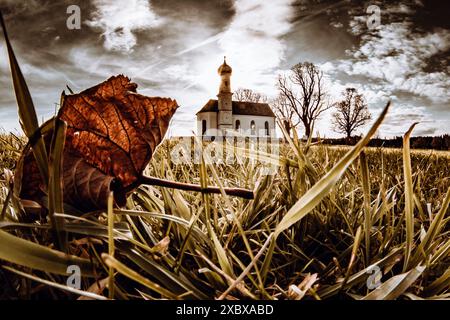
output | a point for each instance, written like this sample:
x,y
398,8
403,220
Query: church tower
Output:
x,y
225,119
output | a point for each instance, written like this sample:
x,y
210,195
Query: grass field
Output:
x,y
176,244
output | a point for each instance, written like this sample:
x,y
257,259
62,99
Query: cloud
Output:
x,y
401,60
120,19
20,6
253,40
4,63
396,55
336,24
402,116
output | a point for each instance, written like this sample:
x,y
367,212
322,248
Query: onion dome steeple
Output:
x,y
224,68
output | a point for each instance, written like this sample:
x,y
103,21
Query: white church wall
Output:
x,y
211,122
260,121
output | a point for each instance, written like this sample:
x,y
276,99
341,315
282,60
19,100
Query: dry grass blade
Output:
x,y
363,274
55,184
35,256
355,249
236,220
27,113
175,282
442,252
367,213
424,249
218,248
82,293
395,286
247,269
320,190
298,292
314,195
111,248
440,284
231,281
409,196
96,288
123,269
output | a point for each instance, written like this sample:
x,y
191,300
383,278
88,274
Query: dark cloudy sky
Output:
x,y
173,48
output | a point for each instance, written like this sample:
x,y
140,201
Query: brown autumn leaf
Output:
x,y
112,132
115,129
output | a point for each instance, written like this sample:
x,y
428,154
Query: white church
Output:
x,y
240,118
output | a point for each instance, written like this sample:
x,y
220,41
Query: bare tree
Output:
x,y
304,91
243,94
351,112
285,114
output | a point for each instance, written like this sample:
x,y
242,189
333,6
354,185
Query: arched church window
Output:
x,y
238,125
253,128
203,127
266,127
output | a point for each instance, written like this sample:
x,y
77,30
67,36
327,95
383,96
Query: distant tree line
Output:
x,y
422,142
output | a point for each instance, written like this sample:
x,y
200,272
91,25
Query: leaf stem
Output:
x,y
237,192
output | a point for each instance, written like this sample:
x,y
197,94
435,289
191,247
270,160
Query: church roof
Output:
x,y
241,108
